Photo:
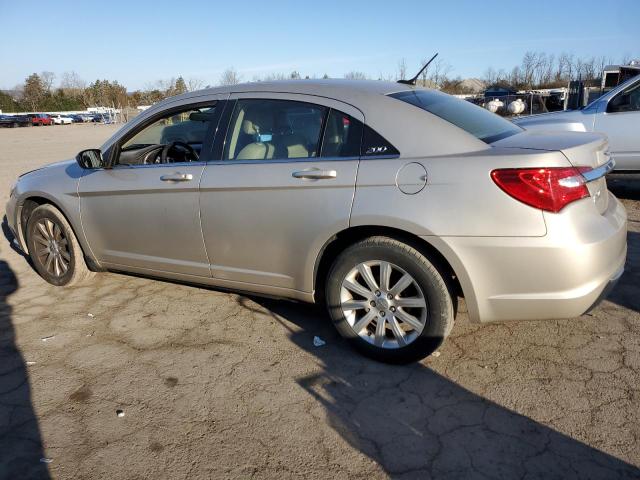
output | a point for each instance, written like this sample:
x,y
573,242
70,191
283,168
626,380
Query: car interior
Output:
x,y
259,129
173,139
627,101
274,129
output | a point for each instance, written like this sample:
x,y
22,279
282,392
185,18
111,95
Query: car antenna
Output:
x,y
415,79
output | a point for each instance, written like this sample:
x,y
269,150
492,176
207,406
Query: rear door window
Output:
x,y
266,129
477,121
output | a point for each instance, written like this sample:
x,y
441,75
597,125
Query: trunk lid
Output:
x,y
585,151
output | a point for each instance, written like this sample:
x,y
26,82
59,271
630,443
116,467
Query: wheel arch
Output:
x,y
349,236
33,201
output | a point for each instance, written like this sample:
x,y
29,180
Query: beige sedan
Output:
x,y
384,201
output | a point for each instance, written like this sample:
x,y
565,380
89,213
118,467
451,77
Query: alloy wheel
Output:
x,y
383,304
52,247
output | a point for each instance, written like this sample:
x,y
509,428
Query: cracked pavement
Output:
x,y
219,385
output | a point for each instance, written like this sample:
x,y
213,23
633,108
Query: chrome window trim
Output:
x,y
156,165
301,160
380,157
599,172
282,160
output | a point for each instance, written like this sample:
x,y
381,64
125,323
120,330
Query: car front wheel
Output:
x,y
54,249
389,300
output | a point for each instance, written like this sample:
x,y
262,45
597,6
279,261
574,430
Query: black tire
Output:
x,y
77,270
435,286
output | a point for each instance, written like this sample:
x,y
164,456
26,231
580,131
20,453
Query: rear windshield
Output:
x,y
475,120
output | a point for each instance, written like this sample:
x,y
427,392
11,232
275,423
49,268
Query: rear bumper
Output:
x,y
607,289
560,275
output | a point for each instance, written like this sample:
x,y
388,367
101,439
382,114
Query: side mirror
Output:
x,y
90,159
620,103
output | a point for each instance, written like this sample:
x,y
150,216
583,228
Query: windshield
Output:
x,y
475,120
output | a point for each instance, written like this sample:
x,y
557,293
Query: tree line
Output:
x,y
536,70
541,70
38,94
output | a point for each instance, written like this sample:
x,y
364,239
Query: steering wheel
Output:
x,y
151,155
189,149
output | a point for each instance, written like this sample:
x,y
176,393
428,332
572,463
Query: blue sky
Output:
x,y
138,42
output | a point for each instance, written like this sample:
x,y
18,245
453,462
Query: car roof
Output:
x,y
339,89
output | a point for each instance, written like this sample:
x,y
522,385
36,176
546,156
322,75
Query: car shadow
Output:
x,y
415,423
627,292
21,448
8,235
624,186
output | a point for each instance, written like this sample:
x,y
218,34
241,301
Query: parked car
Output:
x,y
61,119
102,118
616,114
75,118
15,121
39,119
381,200
86,117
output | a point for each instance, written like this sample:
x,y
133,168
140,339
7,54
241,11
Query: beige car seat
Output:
x,y
292,146
256,122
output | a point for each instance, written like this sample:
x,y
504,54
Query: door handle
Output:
x,y
177,177
315,174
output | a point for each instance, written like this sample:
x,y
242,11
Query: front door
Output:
x,y
620,123
143,214
283,187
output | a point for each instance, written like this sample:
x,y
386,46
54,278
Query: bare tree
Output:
x,y
353,75
515,77
229,77
490,76
274,76
402,70
439,73
194,84
47,80
424,75
72,85
529,66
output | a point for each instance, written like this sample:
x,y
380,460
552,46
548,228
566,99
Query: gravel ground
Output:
x,y
129,378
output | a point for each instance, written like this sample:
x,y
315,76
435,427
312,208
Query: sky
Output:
x,y
140,42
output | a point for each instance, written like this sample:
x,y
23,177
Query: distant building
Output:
x,y
614,75
496,91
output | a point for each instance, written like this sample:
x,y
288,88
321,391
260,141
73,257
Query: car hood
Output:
x,y
48,169
568,120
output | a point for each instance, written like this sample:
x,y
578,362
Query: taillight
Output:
x,y
549,189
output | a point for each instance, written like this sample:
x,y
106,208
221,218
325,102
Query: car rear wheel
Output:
x,y
389,300
54,249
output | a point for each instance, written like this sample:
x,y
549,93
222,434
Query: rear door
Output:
x,y
620,122
283,185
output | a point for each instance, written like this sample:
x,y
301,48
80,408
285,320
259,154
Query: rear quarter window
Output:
x,y
477,121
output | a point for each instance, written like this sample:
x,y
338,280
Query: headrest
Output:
x,y
257,121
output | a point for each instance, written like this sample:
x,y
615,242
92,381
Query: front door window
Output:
x,y
177,137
